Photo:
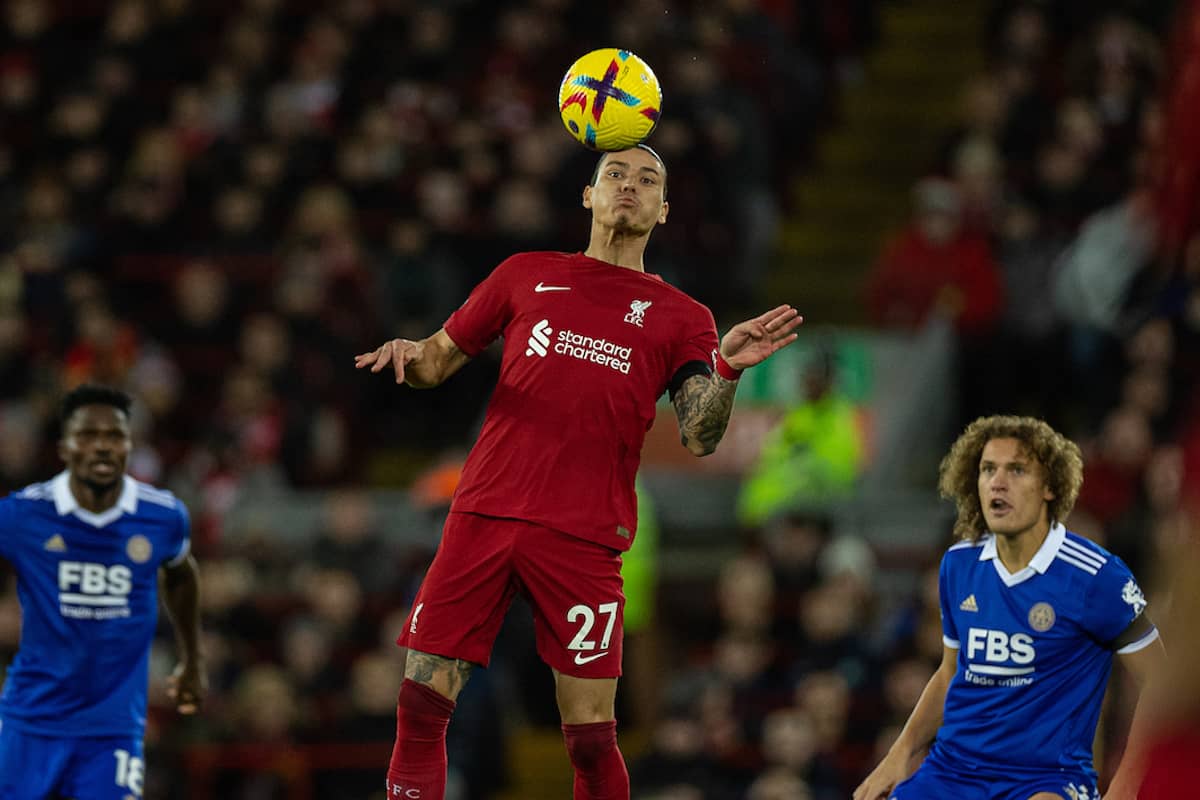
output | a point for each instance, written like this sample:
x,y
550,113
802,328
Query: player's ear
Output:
x,y
662,214
587,196
62,449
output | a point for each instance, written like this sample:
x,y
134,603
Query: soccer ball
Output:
x,y
609,99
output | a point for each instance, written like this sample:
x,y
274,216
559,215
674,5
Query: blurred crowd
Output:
x,y
1041,234
216,204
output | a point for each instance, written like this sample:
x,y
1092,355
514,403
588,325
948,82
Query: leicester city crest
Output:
x,y
138,549
1041,617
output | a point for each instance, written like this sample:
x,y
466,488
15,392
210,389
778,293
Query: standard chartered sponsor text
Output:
x,y
598,351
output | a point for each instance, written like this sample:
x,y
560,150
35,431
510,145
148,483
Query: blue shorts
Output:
x,y
36,767
935,781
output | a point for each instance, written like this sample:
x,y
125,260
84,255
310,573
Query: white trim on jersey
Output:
x,y
38,491
151,494
1083,554
967,545
1083,565
1040,562
953,644
1079,555
93,600
65,502
184,550
989,669
1140,644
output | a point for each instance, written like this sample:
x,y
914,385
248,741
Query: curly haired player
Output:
x,y
1032,615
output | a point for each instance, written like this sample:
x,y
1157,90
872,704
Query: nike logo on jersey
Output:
x,y
581,659
541,287
969,604
55,544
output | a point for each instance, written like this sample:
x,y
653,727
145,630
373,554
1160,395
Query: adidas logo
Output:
x,y
539,340
969,604
55,544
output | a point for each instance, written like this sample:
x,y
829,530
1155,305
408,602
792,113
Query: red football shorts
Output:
x,y
573,586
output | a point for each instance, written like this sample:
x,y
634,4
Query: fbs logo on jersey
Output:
x,y
969,604
55,544
93,591
999,648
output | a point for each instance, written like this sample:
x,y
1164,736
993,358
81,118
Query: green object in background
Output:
x,y
774,382
639,567
812,458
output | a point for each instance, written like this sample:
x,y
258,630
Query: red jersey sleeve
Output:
x,y
699,342
485,314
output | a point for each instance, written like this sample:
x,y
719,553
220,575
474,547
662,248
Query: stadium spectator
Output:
x,y
810,461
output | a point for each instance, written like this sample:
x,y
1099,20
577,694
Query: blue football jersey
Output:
x,y
88,588
1035,650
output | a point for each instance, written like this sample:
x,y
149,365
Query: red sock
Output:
x,y
600,772
418,768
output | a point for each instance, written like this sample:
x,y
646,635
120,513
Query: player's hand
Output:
x,y
397,353
187,686
883,778
753,341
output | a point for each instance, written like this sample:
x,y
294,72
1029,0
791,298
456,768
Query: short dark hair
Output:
x,y
89,394
648,149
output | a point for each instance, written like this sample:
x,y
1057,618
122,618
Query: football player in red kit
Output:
x,y
546,503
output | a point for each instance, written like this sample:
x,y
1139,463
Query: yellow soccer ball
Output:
x,y
609,99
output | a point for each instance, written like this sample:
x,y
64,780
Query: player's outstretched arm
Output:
x,y
703,405
181,594
1147,666
755,340
421,364
904,756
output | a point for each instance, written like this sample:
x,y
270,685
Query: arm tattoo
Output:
x,y
445,675
703,405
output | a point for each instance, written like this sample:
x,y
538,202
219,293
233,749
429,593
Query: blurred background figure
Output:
x,y
811,460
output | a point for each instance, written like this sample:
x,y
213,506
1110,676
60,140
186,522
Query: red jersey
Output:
x,y
589,347
1173,766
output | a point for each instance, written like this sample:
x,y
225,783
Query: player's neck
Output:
x,y
619,249
1017,550
93,497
